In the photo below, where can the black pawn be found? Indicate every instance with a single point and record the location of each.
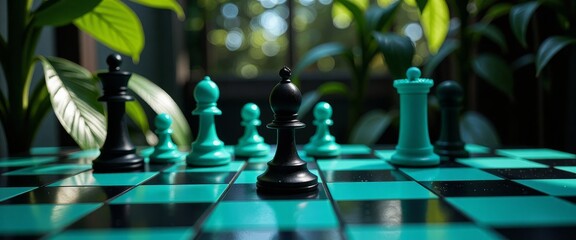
(287, 173)
(118, 153)
(450, 144)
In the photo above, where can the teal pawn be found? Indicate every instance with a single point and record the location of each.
(414, 147)
(251, 144)
(165, 151)
(207, 150)
(322, 143)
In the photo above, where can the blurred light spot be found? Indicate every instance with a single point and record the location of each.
(257, 39)
(249, 71)
(282, 11)
(326, 64)
(306, 2)
(417, 60)
(217, 37)
(229, 10)
(303, 17)
(341, 21)
(273, 23)
(195, 24)
(271, 3)
(254, 8)
(234, 40)
(325, 2)
(270, 48)
(413, 31)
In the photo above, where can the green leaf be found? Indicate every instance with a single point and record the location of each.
(317, 53)
(495, 71)
(115, 25)
(161, 102)
(164, 4)
(549, 48)
(490, 32)
(435, 20)
(520, 16)
(421, 4)
(522, 61)
(309, 99)
(496, 11)
(61, 12)
(371, 126)
(355, 9)
(398, 52)
(378, 17)
(447, 48)
(135, 112)
(476, 129)
(74, 95)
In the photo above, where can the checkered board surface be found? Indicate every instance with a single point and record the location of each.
(495, 194)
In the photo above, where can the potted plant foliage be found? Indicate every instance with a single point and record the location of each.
(68, 89)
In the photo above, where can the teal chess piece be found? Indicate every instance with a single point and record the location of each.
(414, 147)
(165, 151)
(322, 143)
(207, 150)
(251, 144)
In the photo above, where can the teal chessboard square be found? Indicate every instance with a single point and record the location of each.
(233, 166)
(448, 174)
(420, 231)
(378, 190)
(517, 211)
(40, 218)
(535, 153)
(52, 169)
(354, 164)
(123, 234)
(8, 192)
(499, 162)
(172, 194)
(105, 179)
(278, 214)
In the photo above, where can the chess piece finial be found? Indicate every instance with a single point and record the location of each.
(287, 172)
(251, 144)
(450, 144)
(117, 153)
(114, 62)
(165, 151)
(208, 149)
(285, 100)
(322, 143)
(413, 73)
(414, 147)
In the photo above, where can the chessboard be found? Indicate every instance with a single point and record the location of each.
(521, 193)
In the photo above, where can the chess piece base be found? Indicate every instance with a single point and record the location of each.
(289, 177)
(118, 161)
(210, 158)
(167, 157)
(252, 150)
(324, 150)
(451, 150)
(421, 157)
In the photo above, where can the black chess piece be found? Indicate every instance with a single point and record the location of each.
(450, 144)
(287, 173)
(118, 153)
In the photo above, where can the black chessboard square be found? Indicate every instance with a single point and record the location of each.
(365, 176)
(68, 195)
(479, 188)
(450, 164)
(30, 180)
(301, 234)
(143, 216)
(539, 232)
(165, 178)
(396, 212)
(531, 173)
(248, 192)
(570, 199)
